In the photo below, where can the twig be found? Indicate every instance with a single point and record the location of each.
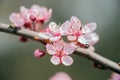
(79, 51)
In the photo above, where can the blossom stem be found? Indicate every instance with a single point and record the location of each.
(79, 51)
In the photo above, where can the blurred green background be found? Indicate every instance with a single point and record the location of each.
(17, 61)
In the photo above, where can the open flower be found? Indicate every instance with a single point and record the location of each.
(60, 52)
(26, 16)
(76, 32)
(52, 32)
(61, 76)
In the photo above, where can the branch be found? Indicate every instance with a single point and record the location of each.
(79, 51)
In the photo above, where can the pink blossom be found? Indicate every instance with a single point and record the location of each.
(27, 16)
(39, 53)
(61, 76)
(41, 13)
(17, 19)
(75, 31)
(115, 76)
(60, 52)
(52, 32)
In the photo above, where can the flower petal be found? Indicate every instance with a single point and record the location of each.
(71, 38)
(17, 20)
(75, 22)
(88, 28)
(91, 48)
(89, 39)
(50, 49)
(55, 38)
(58, 45)
(61, 76)
(65, 28)
(45, 35)
(67, 60)
(69, 49)
(55, 60)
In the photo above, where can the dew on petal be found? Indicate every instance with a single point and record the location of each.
(67, 60)
(88, 28)
(50, 49)
(68, 49)
(55, 60)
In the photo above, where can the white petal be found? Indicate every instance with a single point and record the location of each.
(55, 60)
(56, 38)
(65, 28)
(88, 28)
(91, 48)
(75, 22)
(67, 60)
(50, 49)
(45, 35)
(69, 49)
(89, 39)
(58, 45)
(71, 38)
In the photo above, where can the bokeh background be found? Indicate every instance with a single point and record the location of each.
(17, 61)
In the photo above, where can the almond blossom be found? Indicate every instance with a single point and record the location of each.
(27, 16)
(61, 76)
(52, 32)
(79, 33)
(115, 76)
(60, 52)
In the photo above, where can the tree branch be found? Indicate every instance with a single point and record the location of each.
(79, 51)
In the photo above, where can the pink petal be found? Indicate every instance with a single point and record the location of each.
(69, 49)
(61, 76)
(50, 49)
(89, 39)
(58, 45)
(115, 76)
(17, 20)
(54, 28)
(67, 60)
(25, 14)
(75, 22)
(45, 35)
(65, 28)
(88, 28)
(55, 38)
(55, 60)
(71, 38)
(91, 48)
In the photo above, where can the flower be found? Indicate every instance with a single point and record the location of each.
(115, 76)
(60, 52)
(52, 32)
(81, 33)
(41, 13)
(28, 16)
(61, 76)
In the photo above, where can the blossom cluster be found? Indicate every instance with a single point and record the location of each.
(77, 35)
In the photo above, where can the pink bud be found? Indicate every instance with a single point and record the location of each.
(23, 39)
(39, 53)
